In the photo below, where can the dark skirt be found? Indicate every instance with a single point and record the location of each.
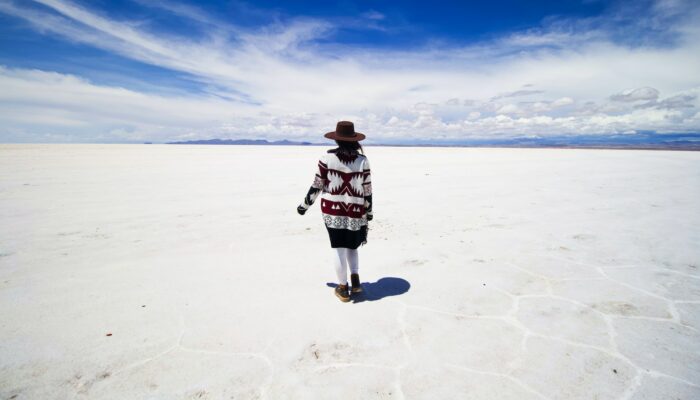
(346, 237)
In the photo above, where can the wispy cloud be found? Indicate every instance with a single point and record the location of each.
(518, 93)
(638, 94)
(287, 79)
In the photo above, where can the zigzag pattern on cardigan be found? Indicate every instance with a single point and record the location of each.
(344, 182)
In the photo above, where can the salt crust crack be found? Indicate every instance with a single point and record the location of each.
(509, 317)
(178, 346)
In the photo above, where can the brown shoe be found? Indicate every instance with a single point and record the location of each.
(356, 286)
(342, 292)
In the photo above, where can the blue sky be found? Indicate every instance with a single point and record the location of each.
(141, 70)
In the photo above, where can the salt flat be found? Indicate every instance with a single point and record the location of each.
(490, 274)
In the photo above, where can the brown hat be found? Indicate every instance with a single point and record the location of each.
(345, 130)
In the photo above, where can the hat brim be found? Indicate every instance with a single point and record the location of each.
(333, 135)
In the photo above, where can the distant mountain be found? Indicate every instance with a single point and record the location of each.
(639, 140)
(259, 142)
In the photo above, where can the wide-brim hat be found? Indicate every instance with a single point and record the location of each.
(345, 130)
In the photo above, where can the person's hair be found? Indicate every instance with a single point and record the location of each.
(349, 147)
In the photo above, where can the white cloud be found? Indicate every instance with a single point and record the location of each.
(643, 93)
(562, 101)
(279, 82)
(473, 115)
(372, 14)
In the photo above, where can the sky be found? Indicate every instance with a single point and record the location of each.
(130, 71)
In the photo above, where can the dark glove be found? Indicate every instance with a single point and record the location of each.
(301, 210)
(369, 217)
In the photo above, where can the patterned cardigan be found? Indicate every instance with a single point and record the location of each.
(346, 185)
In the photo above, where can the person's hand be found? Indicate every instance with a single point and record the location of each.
(369, 217)
(301, 210)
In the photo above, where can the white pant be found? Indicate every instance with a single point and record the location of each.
(342, 257)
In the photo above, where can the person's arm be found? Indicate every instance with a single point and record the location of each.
(367, 188)
(316, 187)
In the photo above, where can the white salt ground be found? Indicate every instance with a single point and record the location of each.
(174, 272)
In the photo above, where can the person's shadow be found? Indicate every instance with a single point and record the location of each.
(384, 287)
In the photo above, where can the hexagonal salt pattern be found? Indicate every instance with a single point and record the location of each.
(567, 370)
(661, 346)
(566, 319)
(160, 272)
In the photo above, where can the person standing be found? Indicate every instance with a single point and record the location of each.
(344, 181)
